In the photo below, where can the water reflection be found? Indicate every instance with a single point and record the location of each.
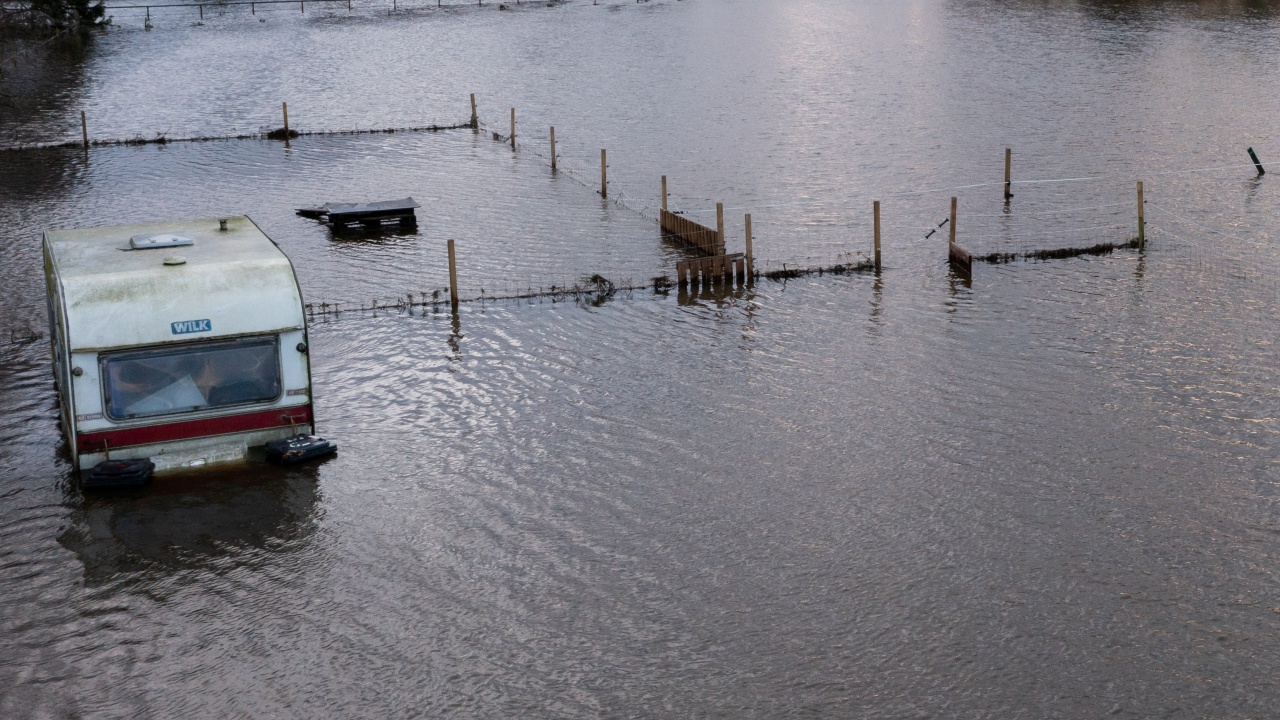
(192, 521)
(41, 82)
(718, 293)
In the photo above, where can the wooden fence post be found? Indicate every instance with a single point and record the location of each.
(1008, 173)
(750, 257)
(875, 213)
(284, 107)
(513, 128)
(84, 129)
(604, 177)
(475, 119)
(1142, 223)
(553, 148)
(664, 192)
(953, 220)
(720, 226)
(453, 277)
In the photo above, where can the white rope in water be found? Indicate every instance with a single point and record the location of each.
(1193, 222)
(863, 196)
(1040, 214)
(1055, 231)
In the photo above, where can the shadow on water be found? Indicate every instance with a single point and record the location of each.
(191, 521)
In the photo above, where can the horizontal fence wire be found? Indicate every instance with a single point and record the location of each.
(250, 8)
(1050, 218)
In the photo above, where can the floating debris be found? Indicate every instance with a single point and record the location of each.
(1058, 254)
(369, 215)
(787, 273)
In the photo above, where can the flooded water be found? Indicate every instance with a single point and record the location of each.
(1048, 493)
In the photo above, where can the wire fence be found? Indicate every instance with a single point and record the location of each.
(149, 14)
(1049, 219)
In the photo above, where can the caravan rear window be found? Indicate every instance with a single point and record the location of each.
(200, 376)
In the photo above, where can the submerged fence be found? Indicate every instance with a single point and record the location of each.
(1062, 223)
(150, 12)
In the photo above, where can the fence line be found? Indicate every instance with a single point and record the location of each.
(1010, 243)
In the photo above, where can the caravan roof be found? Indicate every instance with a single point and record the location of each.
(132, 285)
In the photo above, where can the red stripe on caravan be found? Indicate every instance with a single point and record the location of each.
(185, 430)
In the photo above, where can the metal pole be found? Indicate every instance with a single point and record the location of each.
(1256, 162)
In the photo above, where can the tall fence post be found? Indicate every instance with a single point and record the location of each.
(453, 277)
(750, 256)
(284, 107)
(953, 220)
(875, 214)
(604, 175)
(1142, 223)
(513, 128)
(84, 129)
(553, 148)
(720, 226)
(475, 119)
(664, 192)
(1008, 173)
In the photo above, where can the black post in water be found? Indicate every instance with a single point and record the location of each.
(1254, 156)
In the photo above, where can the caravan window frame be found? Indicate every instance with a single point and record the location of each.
(192, 352)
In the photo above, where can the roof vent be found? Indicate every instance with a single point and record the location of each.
(159, 240)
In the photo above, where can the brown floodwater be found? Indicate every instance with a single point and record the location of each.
(1049, 493)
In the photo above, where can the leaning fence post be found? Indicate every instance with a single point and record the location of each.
(875, 214)
(1257, 163)
(1008, 173)
(604, 176)
(750, 257)
(453, 277)
(84, 129)
(553, 148)
(1142, 223)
